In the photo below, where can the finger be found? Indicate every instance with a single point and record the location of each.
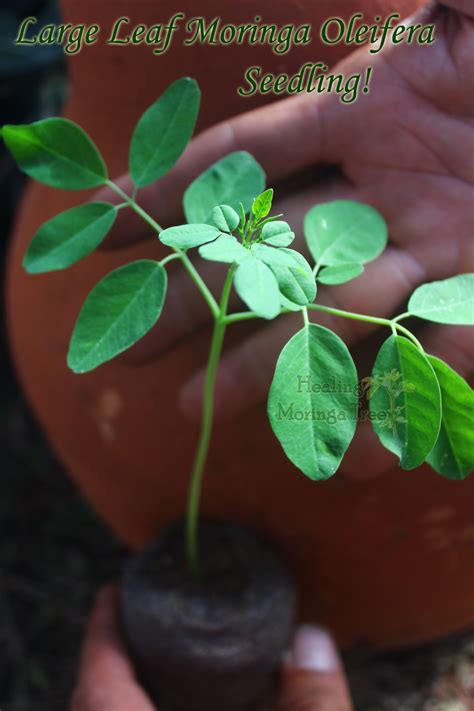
(272, 134)
(185, 311)
(313, 678)
(453, 344)
(106, 679)
(245, 372)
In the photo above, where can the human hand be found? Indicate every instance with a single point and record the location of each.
(405, 148)
(313, 679)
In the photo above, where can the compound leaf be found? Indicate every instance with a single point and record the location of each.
(262, 204)
(277, 234)
(453, 453)
(163, 132)
(447, 301)
(120, 309)
(313, 401)
(56, 152)
(187, 236)
(340, 274)
(225, 248)
(233, 179)
(68, 237)
(257, 287)
(405, 401)
(225, 218)
(343, 232)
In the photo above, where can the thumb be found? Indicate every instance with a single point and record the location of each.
(313, 677)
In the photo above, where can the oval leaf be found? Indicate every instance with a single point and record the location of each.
(187, 236)
(294, 275)
(258, 288)
(57, 152)
(164, 131)
(226, 248)
(313, 401)
(343, 232)
(277, 234)
(405, 401)
(453, 453)
(225, 218)
(121, 309)
(233, 179)
(262, 204)
(68, 237)
(340, 274)
(447, 301)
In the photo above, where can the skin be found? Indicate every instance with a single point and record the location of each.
(312, 676)
(406, 148)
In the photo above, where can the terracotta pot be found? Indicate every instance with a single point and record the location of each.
(389, 561)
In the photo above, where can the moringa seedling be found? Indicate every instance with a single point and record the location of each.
(419, 407)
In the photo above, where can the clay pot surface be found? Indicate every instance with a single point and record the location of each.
(386, 562)
(224, 632)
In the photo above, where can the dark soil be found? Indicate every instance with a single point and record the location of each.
(224, 631)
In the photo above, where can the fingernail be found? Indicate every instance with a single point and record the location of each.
(314, 650)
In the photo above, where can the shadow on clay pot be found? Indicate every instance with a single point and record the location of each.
(224, 632)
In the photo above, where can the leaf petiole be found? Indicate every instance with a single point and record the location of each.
(169, 258)
(192, 271)
(135, 206)
(390, 323)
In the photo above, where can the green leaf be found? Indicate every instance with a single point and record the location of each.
(121, 309)
(163, 132)
(258, 288)
(187, 236)
(226, 248)
(287, 304)
(233, 179)
(225, 218)
(274, 257)
(293, 273)
(56, 152)
(340, 274)
(262, 204)
(343, 232)
(68, 237)
(448, 301)
(296, 281)
(405, 402)
(313, 401)
(453, 453)
(277, 234)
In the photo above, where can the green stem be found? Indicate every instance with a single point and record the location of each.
(409, 335)
(194, 496)
(349, 314)
(169, 258)
(391, 323)
(407, 314)
(135, 207)
(190, 268)
(197, 279)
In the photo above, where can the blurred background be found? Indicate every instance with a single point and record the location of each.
(54, 553)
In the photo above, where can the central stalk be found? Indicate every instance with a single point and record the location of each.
(192, 517)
